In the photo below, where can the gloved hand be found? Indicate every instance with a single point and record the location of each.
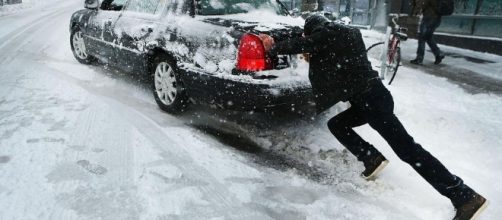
(267, 40)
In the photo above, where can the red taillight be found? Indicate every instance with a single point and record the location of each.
(251, 55)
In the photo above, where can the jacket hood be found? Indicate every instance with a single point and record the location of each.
(313, 22)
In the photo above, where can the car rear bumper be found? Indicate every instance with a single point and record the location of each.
(244, 92)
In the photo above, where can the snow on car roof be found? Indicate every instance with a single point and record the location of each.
(264, 17)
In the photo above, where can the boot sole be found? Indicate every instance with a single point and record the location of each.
(379, 169)
(480, 210)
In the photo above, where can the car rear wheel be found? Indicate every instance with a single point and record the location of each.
(168, 89)
(78, 47)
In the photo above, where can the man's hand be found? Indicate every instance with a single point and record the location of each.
(267, 40)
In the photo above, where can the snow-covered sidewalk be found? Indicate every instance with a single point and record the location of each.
(476, 71)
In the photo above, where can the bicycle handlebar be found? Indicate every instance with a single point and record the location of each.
(394, 21)
(395, 17)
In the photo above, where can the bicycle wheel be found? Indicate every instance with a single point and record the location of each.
(377, 52)
(374, 45)
(394, 64)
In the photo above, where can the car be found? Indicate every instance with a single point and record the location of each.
(206, 51)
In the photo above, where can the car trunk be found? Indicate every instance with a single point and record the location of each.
(238, 28)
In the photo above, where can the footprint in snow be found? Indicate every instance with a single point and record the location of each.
(92, 168)
(45, 139)
(77, 147)
(298, 195)
(97, 150)
(4, 159)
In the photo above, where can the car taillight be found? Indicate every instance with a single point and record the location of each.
(251, 55)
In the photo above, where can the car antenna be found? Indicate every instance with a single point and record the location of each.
(284, 8)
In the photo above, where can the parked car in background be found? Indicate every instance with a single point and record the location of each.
(196, 51)
(9, 2)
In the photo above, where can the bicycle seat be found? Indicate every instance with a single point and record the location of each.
(402, 36)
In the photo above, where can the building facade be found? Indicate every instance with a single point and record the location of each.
(475, 17)
(475, 24)
(471, 17)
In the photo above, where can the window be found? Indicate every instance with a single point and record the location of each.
(465, 6)
(221, 7)
(174, 5)
(144, 6)
(491, 7)
(113, 5)
(119, 2)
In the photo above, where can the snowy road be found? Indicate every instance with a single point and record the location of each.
(85, 142)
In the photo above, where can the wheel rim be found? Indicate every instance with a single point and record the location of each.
(79, 46)
(165, 83)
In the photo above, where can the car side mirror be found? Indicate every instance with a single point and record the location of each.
(92, 4)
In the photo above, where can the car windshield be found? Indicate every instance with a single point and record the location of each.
(222, 7)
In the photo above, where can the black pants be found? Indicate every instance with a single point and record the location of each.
(427, 28)
(375, 107)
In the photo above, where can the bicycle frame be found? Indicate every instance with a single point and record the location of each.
(394, 43)
(385, 54)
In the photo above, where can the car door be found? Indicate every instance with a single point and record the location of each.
(100, 37)
(138, 24)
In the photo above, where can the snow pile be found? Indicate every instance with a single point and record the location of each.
(268, 18)
(216, 4)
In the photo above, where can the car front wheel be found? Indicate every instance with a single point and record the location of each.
(78, 47)
(168, 89)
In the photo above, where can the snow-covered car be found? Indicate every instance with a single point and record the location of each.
(204, 50)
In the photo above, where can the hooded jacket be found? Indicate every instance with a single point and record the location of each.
(339, 67)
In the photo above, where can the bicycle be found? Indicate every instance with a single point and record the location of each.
(391, 58)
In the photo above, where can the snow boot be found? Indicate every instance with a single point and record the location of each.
(472, 208)
(416, 61)
(373, 167)
(439, 59)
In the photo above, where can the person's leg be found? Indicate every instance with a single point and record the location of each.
(341, 127)
(429, 167)
(421, 43)
(391, 129)
(432, 25)
(378, 111)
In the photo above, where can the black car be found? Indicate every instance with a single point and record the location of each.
(203, 50)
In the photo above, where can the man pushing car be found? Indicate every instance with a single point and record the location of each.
(340, 71)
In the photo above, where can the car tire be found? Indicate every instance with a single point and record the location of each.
(168, 89)
(78, 47)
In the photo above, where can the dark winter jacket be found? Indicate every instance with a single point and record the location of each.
(339, 66)
(429, 9)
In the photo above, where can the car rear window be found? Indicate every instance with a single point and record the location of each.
(222, 7)
(144, 6)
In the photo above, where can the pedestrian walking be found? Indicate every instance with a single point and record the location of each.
(431, 19)
(340, 71)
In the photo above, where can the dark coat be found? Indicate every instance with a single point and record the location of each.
(339, 66)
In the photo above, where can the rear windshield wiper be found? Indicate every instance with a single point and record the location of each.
(284, 8)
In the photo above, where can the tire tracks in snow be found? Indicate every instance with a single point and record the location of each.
(9, 46)
(170, 146)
